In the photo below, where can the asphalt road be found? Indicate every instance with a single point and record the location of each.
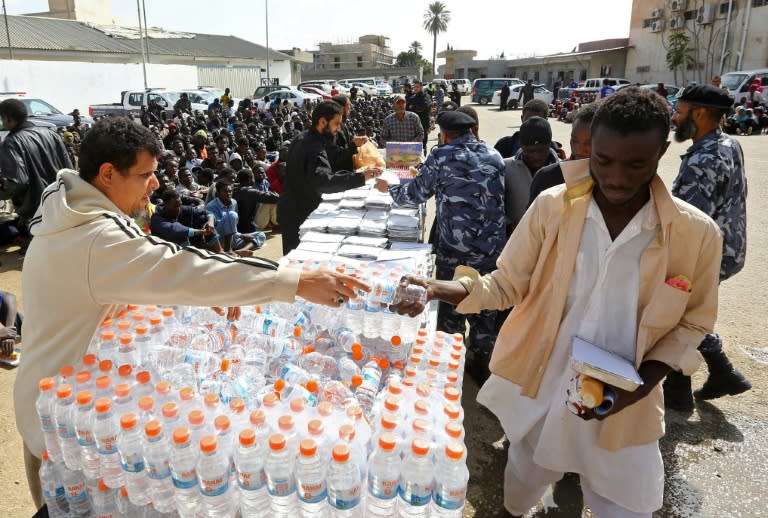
(715, 459)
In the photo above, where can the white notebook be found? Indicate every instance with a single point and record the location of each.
(610, 368)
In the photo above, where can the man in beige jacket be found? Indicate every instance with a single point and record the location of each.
(592, 258)
(87, 258)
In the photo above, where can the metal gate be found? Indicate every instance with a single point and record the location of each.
(242, 80)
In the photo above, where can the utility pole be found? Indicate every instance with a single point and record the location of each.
(7, 31)
(146, 33)
(143, 51)
(266, 17)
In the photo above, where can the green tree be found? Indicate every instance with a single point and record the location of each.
(411, 59)
(679, 53)
(415, 47)
(436, 19)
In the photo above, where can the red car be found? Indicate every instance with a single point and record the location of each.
(312, 90)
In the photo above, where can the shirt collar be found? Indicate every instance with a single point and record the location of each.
(712, 135)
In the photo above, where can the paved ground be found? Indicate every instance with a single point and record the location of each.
(715, 459)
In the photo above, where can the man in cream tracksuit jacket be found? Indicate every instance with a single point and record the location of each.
(88, 258)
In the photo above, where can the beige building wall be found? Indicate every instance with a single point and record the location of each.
(370, 51)
(95, 11)
(719, 45)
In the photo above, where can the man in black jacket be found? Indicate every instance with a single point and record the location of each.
(343, 146)
(310, 175)
(505, 91)
(30, 157)
(420, 103)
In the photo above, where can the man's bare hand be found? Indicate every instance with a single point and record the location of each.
(382, 186)
(7, 340)
(329, 288)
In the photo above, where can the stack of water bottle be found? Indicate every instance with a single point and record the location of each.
(181, 412)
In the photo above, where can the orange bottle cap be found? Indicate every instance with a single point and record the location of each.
(141, 329)
(420, 447)
(196, 417)
(395, 387)
(355, 412)
(298, 404)
(167, 312)
(122, 389)
(454, 450)
(211, 400)
(388, 422)
(452, 411)
(279, 384)
(155, 321)
(181, 435)
(312, 386)
(107, 335)
(325, 408)
(387, 441)
(170, 410)
(124, 325)
(308, 447)
(392, 403)
(421, 426)
(138, 317)
(396, 341)
(153, 428)
(128, 421)
(103, 383)
(64, 391)
(90, 359)
(453, 429)
(237, 405)
(124, 371)
(163, 387)
(146, 403)
(221, 423)
(102, 405)
(258, 417)
(208, 443)
(285, 422)
(102, 486)
(83, 377)
(356, 380)
(247, 437)
(341, 453)
(277, 441)
(46, 384)
(186, 393)
(270, 400)
(421, 407)
(143, 377)
(67, 371)
(84, 397)
(105, 365)
(347, 432)
(315, 427)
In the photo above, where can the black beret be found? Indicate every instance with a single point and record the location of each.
(535, 130)
(455, 121)
(706, 95)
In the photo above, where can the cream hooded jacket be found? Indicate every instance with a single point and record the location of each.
(87, 258)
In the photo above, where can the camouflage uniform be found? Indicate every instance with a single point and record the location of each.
(712, 179)
(467, 179)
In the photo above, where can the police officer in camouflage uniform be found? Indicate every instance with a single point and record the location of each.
(712, 179)
(466, 177)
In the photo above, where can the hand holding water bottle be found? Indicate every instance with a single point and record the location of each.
(329, 288)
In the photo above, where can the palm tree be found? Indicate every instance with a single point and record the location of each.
(679, 53)
(436, 19)
(415, 47)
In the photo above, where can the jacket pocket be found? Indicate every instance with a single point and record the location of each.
(666, 308)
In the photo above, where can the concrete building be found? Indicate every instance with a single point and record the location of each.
(67, 46)
(370, 51)
(725, 35)
(589, 59)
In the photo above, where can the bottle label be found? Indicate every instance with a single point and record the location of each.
(281, 486)
(251, 481)
(65, 431)
(313, 492)
(107, 445)
(104, 515)
(347, 498)
(46, 423)
(383, 489)
(158, 471)
(184, 479)
(214, 486)
(57, 493)
(450, 498)
(416, 494)
(76, 493)
(85, 438)
(132, 462)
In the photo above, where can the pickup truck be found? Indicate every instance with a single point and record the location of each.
(132, 101)
(591, 88)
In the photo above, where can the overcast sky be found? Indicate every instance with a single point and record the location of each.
(522, 29)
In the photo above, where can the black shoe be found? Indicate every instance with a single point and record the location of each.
(677, 392)
(724, 379)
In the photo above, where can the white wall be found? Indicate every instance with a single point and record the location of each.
(68, 85)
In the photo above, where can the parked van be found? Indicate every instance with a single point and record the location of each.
(738, 83)
(482, 89)
(464, 86)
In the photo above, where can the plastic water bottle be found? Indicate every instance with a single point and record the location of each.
(316, 431)
(45, 405)
(197, 425)
(184, 473)
(451, 477)
(123, 400)
(344, 484)
(65, 426)
(53, 488)
(213, 472)
(310, 480)
(89, 454)
(104, 501)
(383, 478)
(156, 458)
(348, 369)
(107, 346)
(127, 508)
(416, 481)
(76, 493)
(251, 478)
(287, 426)
(105, 430)
(126, 351)
(369, 388)
(345, 337)
(281, 483)
(131, 449)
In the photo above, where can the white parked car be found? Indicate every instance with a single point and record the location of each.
(383, 88)
(514, 92)
(464, 86)
(363, 88)
(296, 97)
